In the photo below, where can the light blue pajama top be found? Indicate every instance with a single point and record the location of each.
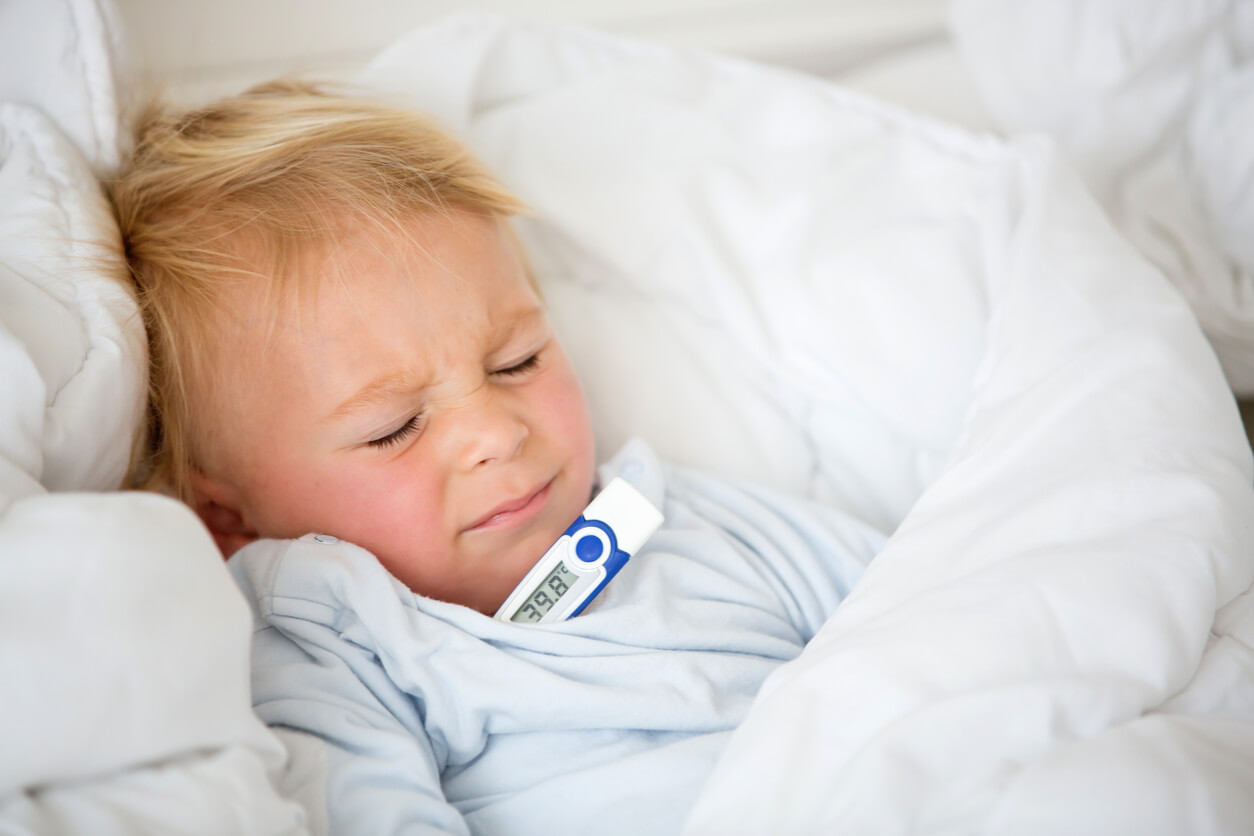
(430, 717)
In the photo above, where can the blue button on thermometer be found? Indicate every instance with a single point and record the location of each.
(583, 560)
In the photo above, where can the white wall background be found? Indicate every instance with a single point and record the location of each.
(195, 49)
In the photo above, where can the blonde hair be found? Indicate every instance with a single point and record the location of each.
(279, 166)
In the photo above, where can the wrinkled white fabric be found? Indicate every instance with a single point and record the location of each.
(75, 358)
(1153, 101)
(1038, 647)
(68, 59)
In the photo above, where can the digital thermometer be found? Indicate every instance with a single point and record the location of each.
(584, 559)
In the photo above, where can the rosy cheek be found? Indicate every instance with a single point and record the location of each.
(569, 415)
(398, 514)
(366, 500)
(391, 501)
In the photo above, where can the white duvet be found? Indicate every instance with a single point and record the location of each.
(1153, 102)
(770, 278)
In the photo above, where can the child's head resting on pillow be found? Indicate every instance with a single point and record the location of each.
(345, 339)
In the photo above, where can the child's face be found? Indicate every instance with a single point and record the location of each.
(413, 400)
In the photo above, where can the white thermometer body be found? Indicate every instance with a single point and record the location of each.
(585, 558)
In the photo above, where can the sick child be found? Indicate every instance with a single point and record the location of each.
(355, 386)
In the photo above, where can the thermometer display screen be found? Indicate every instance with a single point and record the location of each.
(546, 595)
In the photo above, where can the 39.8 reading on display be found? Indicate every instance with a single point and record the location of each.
(547, 594)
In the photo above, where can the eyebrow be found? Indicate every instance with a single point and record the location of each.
(375, 392)
(399, 383)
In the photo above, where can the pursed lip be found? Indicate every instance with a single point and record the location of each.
(515, 511)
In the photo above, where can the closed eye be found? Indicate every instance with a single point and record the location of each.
(404, 431)
(521, 368)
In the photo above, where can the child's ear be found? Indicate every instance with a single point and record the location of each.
(217, 507)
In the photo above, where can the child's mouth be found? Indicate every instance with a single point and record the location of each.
(516, 511)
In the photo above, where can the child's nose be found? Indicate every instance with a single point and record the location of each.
(488, 430)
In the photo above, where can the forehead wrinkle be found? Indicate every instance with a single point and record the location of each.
(514, 322)
(396, 247)
(398, 383)
(389, 246)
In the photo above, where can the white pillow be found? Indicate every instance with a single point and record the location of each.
(66, 59)
(72, 348)
(72, 351)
